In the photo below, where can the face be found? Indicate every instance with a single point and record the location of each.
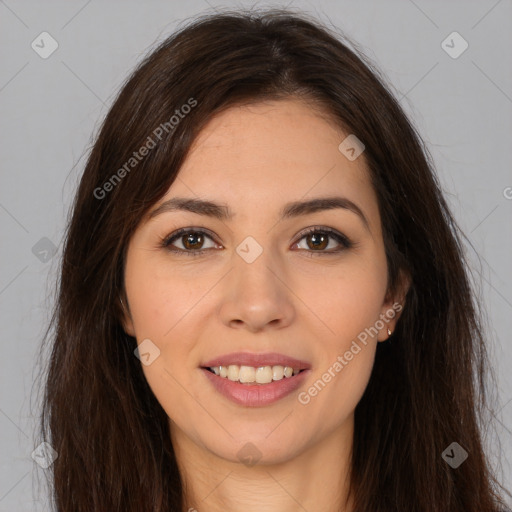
(260, 289)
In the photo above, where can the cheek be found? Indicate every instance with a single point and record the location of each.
(160, 305)
(159, 297)
(350, 300)
(342, 375)
(350, 310)
(167, 305)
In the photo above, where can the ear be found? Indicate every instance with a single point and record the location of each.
(392, 307)
(126, 317)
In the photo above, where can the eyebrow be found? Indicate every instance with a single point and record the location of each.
(289, 210)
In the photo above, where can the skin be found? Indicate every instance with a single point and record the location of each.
(266, 154)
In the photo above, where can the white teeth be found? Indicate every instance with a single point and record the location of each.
(264, 375)
(233, 372)
(249, 374)
(277, 372)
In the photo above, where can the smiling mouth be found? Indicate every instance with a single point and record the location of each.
(254, 375)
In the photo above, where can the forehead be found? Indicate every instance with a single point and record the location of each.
(269, 153)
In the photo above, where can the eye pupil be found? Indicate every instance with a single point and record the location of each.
(319, 241)
(189, 240)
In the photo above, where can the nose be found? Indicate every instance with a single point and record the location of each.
(258, 295)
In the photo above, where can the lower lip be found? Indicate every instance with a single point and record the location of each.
(256, 395)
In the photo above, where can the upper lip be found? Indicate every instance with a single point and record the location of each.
(257, 360)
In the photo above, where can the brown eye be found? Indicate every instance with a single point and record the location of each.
(191, 240)
(318, 239)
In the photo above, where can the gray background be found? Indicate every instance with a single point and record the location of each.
(51, 108)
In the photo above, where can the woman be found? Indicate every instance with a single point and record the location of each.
(263, 301)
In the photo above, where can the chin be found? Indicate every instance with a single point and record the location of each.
(256, 449)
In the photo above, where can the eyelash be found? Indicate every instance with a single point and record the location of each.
(341, 239)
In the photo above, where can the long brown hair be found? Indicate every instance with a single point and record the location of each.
(428, 386)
